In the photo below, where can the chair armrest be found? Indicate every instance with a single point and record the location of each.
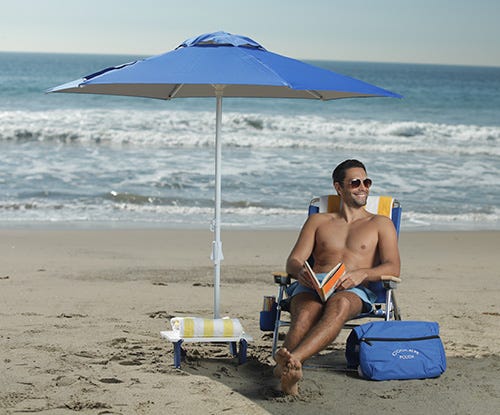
(390, 278)
(282, 278)
(390, 281)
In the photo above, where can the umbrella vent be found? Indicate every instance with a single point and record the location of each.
(221, 39)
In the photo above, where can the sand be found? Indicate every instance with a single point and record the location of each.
(81, 313)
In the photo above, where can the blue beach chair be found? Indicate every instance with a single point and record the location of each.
(385, 306)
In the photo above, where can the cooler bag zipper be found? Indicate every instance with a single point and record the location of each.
(369, 340)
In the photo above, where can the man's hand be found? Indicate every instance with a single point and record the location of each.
(352, 279)
(304, 278)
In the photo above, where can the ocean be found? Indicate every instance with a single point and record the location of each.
(90, 161)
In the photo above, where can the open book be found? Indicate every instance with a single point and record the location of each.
(328, 285)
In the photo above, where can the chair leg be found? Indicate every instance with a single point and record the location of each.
(277, 323)
(276, 331)
(388, 306)
(397, 314)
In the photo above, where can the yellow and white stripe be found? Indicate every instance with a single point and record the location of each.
(203, 327)
(381, 205)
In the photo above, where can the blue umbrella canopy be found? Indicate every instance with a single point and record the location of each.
(221, 65)
(241, 65)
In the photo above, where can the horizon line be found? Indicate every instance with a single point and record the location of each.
(483, 65)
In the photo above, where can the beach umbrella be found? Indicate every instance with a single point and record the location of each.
(221, 65)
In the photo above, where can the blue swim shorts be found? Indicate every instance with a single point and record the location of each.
(368, 297)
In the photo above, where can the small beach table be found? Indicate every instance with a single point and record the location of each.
(241, 351)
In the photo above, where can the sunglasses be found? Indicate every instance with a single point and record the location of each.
(355, 183)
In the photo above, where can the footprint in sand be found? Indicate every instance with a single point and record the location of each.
(110, 380)
(160, 314)
(118, 341)
(65, 380)
(132, 362)
(72, 315)
(86, 354)
(80, 406)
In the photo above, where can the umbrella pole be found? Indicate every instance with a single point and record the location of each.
(217, 255)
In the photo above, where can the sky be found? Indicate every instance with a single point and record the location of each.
(460, 32)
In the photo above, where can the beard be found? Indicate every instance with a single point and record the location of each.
(359, 200)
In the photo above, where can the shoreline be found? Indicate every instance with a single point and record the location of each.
(225, 227)
(82, 309)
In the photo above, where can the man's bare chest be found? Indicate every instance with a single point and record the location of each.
(361, 239)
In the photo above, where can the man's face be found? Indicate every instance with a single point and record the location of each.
(356, 187)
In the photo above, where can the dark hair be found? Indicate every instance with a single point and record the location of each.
(338, 174)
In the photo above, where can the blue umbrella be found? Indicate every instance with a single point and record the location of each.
(221, 65)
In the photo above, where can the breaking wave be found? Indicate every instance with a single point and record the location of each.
(177, 129)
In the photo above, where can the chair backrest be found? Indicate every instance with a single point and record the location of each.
(382, 205)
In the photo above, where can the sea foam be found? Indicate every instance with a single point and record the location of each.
(197, 129)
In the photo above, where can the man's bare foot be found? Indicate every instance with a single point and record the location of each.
(292, 373)
(282, 358)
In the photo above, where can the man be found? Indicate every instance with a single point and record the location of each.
(365, 243)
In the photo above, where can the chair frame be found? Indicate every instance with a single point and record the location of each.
(386, 308)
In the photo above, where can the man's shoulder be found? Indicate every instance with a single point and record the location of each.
(323, 216)
(321, 219)
(382, 219)
(382, 222)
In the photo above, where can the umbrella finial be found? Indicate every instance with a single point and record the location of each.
(221, 39)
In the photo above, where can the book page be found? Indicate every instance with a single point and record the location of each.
(315, 280)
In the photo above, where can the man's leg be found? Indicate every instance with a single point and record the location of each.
(305, 311)
(340, 308)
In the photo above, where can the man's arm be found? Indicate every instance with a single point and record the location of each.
(388, 252)
(303, 249)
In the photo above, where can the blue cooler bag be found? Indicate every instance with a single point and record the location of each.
(385, 350)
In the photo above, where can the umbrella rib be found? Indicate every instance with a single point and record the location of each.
(315, 94)
(175, 91)
(265, 65)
